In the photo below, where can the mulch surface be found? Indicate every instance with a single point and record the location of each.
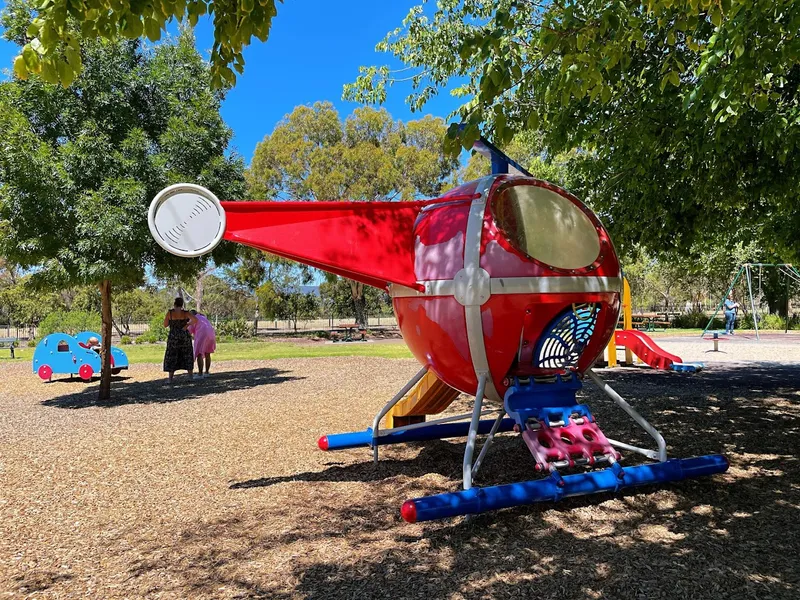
(215, 489)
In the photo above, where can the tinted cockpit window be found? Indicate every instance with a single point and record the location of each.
(546, 226)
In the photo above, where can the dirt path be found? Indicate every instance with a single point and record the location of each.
(215, 489)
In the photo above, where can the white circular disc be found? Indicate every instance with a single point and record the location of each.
(186, 220)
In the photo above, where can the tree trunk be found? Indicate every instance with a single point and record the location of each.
(255, 323)
(357, 293)
(120, 331)
(105, 351)
(198, 290)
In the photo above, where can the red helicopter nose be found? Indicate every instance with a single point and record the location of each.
(499, 277)
(517, 261)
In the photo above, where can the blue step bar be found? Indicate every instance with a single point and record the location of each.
(363, 439)
(687, 367)
(553, 488)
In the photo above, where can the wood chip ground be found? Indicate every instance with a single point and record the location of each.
(215, 489)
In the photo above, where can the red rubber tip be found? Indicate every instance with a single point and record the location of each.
(409, 511)
(323, 442)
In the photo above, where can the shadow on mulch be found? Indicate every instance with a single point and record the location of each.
(727, 537)
(435, 456)
(39, 580)
(159, 392)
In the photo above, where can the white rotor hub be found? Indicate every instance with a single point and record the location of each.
(186, 220)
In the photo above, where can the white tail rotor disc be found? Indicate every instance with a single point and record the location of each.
(186, 220)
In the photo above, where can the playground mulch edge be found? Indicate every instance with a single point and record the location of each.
(215, 489)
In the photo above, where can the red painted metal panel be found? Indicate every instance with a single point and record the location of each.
(371, 242)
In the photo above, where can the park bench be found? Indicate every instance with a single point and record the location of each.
(10, 343)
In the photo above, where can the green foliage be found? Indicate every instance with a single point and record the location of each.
(671, 279)
(269, 300)
(313, 155)
(79, 166)
(156, 332)
(86, 298)
(125, 340)
(686, 113)
(337, 299)
(233, 328)
(134, 306)
(71, 322)
(260, 350)
(224, 300)
(22, 304)
(766, 321)
(770, 321)
(528, 150)
(696, 320)
(51, 39)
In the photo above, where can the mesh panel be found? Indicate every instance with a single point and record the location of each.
(563, 344)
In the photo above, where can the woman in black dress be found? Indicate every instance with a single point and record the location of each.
(179, 354)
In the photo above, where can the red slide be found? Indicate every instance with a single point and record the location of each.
(644, 347)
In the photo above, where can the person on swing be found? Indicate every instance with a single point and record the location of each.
(731, 307)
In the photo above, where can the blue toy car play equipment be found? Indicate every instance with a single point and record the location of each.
(60, 353)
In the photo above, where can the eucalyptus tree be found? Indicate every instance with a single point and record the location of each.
(79, 165)
(51, 48)
(686, 112)
(313, 155)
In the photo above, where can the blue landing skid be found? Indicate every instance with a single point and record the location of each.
(363, 439)
(553, 488)
(687, 367)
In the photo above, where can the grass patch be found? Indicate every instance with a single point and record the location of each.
(154, 353)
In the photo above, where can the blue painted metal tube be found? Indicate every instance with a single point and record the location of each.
(555, 487)
(363, 439)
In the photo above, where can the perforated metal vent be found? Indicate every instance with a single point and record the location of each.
(186, 220)
(562, 345)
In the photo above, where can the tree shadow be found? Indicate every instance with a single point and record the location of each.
(39, 580)
(437, 456)
(728, 536)
(159, 392)
(94, 379)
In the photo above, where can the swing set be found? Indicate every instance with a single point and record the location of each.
(788, 271)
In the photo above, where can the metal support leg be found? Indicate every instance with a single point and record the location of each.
(752, 303)
(376, 423)
(472, 437)
(652, 454)
(654, 433)
(487, 443)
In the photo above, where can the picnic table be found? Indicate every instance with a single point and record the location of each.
(349, 330)
(649, 321)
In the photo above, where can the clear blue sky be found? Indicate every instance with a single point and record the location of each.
(314, 48)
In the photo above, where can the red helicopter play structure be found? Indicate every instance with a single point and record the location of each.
(506, 288)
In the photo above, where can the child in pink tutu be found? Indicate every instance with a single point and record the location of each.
(205, 342)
